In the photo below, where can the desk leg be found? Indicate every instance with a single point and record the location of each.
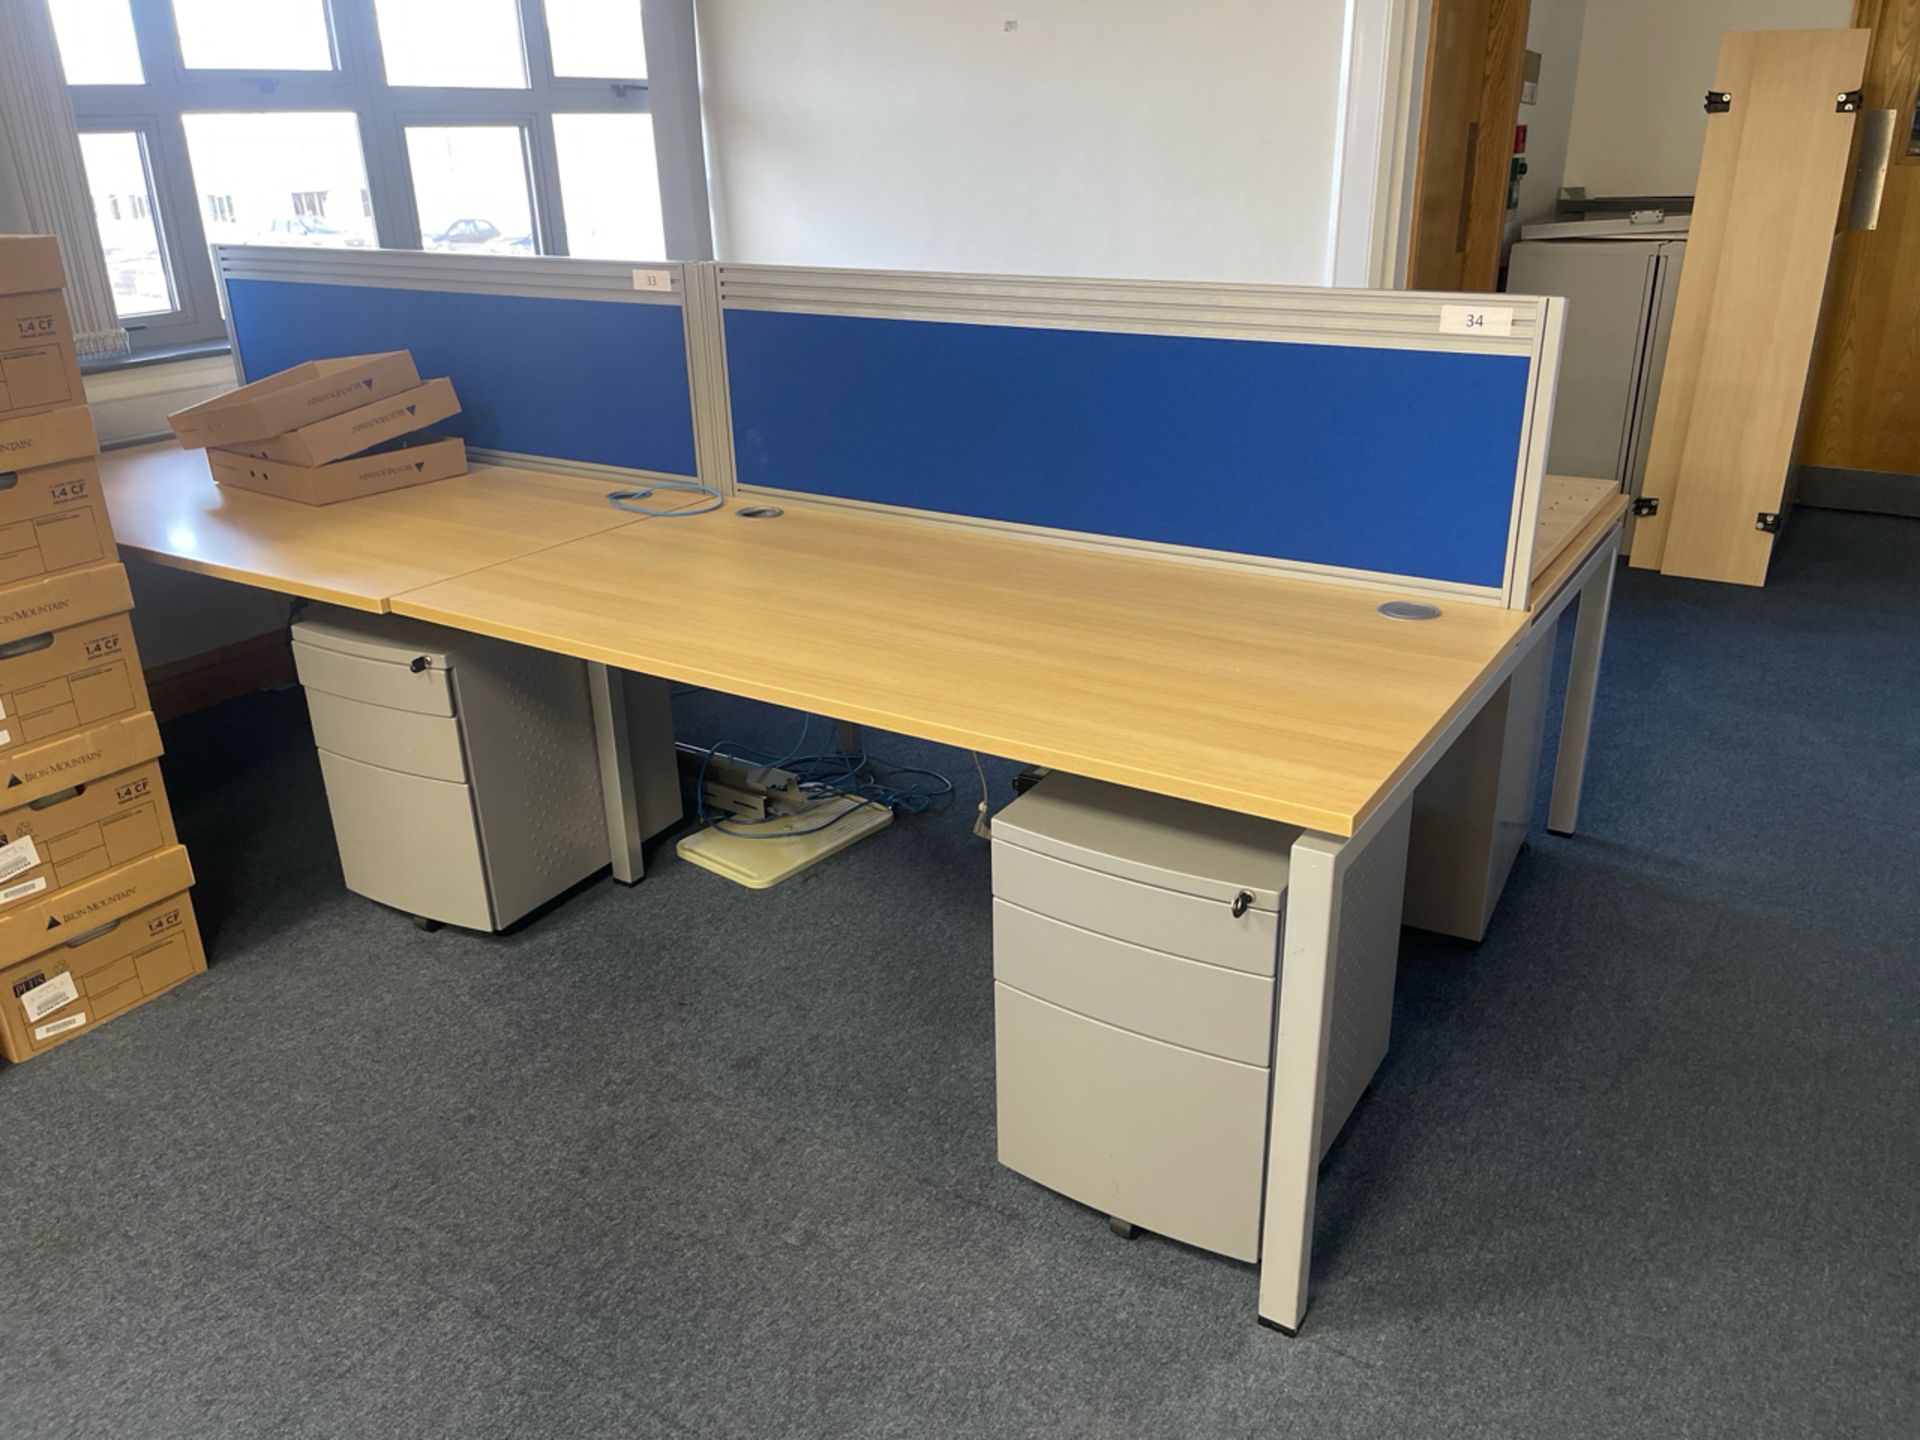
(619, 790)
(1309, 952)
(1583, 680)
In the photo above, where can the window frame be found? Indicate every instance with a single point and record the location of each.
(383, 112)
(143, 134)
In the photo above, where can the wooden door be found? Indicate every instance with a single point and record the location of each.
(1863, 405)
(1772, 172)
(1476, 50)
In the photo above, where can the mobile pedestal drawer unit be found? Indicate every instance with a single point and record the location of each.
(1136, 950)
(461, 771)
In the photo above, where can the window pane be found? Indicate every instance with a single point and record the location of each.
(609, 186)
(290, 178)
(96, 43)
(253, 34)
(122, 190)
(452, 42)
(470, 187)
(597, 38)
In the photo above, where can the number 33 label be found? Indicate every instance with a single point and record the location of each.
(1476, 320)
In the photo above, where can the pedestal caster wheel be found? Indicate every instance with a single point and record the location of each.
(421, 922)
(1122, 1228)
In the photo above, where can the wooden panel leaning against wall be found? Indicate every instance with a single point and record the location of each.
(1772, 173)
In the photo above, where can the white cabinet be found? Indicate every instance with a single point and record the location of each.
(461, 772)
(1620, 282)
(1136, 956)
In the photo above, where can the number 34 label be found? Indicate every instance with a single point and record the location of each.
(1476, 320)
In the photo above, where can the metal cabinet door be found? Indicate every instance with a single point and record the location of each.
(1608, 285)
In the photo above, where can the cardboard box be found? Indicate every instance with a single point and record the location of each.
(67, 658)
(30, 262)
(52, 919)
(358, 430)
(52, 518)
(293, 398)
(39, 367)
(33, 771)
(50, 998)
(30, 441)
(413, 462)
(81, 806)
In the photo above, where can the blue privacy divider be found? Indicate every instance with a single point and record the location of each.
(591, 380)
(1398, 461)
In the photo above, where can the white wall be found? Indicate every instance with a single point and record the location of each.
(1645, 66)
(131, 405)
(1554, 30)
(1125, 138)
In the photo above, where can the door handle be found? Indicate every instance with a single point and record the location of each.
(1877, 129)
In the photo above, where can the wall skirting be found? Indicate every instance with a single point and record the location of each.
(1877, 491)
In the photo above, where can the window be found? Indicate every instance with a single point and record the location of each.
(490, 127)
(97, 44)
(596, 38)
(122, 191)
(253, 34)
(613, 205)
(279, 170)
(471, 188)
(452, 42)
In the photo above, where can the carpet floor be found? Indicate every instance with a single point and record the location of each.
(691, 1160)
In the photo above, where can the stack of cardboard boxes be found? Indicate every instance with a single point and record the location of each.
(328, 430)
(94, 914)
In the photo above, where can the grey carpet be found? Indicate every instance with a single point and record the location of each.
(689, 1160)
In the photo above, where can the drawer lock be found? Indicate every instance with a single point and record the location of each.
(1242, 903)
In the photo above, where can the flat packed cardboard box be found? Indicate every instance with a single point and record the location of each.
(30, 262)
(314, 391)
(88, 818)
(110, 967)
(30, 441)
(39, 368)
(412, 463)
(67, 657)
(52, 518)
(325, 441)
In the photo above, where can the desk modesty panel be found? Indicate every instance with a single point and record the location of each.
(564, 360)
(1383, 436)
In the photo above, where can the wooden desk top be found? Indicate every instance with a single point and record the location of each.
(1286, 698)
(358, 553)
(1576, 514)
